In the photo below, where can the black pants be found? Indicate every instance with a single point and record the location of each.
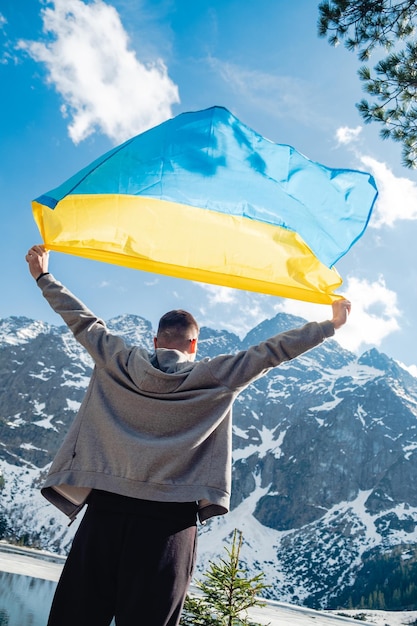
(130, 559)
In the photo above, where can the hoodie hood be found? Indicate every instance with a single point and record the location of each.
(172, 361)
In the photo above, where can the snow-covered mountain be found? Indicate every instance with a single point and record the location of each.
(324, 471)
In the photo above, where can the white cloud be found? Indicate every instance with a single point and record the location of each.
(5, 55)
(111, 285)
(218, 295)
(411, 369)
(279, 95)
(397, 198)
(374, 313)
(103, 85)
(346, 135)
(152, 283)
(397, 195)
(234, 310)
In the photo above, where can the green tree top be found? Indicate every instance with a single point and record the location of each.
(365, 25)
(227, 592)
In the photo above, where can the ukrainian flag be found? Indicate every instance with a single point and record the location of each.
(204, 197)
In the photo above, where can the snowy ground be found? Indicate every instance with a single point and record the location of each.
(43, 565)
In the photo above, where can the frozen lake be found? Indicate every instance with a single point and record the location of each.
(28, 579)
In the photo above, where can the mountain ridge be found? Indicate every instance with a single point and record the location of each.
(324, 457)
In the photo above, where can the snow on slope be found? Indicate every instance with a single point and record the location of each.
(260, 550)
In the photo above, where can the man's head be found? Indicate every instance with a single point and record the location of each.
(177, 330)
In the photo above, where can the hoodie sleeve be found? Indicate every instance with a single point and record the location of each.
(89, 330)
(238, 371)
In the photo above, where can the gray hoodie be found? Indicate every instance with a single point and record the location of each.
(156, 426)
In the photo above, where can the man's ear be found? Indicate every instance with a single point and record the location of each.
(155, 342)
(193, 346)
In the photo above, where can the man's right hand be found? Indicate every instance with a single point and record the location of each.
(38, 260)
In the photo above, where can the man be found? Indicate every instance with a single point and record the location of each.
(149, 451)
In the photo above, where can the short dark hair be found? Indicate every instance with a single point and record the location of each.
(177, 323)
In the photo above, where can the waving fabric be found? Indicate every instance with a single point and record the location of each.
(206, 198)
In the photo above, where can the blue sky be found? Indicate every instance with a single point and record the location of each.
(79, 77)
